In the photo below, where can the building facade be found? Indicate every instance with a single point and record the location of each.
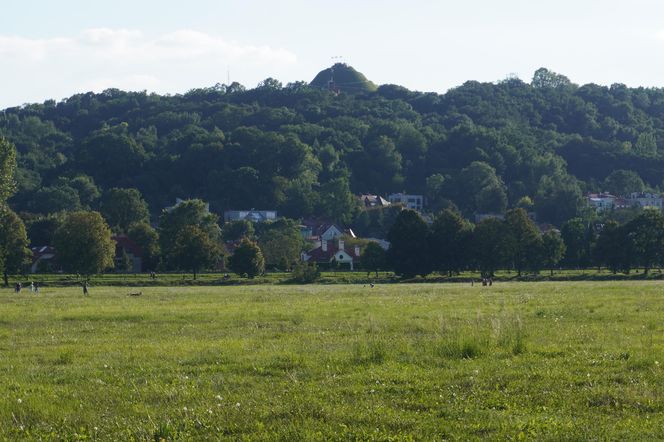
(414, 202)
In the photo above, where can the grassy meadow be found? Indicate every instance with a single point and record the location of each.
(538, 361)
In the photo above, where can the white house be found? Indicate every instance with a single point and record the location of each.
(414, 202)
(601, 201)
(255, 216)
(646, 200)
(329, 252)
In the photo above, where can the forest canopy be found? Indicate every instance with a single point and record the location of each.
(305, 150)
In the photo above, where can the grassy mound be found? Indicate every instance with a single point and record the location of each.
(343, 78)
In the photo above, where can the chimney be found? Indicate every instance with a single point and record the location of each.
(357, 250)
(341, 244)
(323, 245)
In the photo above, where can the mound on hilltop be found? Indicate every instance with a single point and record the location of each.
(343, 78)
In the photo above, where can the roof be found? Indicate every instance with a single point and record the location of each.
(39, 251)
(374, 200)
(42, 252)
(319, 255)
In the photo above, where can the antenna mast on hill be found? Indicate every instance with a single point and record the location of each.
(335, 59)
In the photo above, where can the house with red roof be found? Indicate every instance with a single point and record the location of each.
(333, 251)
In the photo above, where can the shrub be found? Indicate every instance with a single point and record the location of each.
(305, 273)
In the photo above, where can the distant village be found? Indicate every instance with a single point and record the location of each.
(603, 202)
(327, 242)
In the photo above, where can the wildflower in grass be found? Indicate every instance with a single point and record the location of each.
(19, 400)
(218, 397)
(237, 404)
(184, 409)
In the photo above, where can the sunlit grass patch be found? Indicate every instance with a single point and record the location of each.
(542, 361)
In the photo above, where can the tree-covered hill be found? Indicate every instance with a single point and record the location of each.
(304, 150)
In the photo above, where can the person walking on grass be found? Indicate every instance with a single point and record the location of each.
(85, 288)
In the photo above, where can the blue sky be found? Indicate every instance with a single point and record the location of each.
(55, 49)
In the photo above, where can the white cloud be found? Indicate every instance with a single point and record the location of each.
(131, 45)
(99, 58)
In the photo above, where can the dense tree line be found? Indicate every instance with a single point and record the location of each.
(189, 237)
(451, 245)
(480, 147)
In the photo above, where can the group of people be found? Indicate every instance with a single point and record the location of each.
(485, 282)
(34, 288)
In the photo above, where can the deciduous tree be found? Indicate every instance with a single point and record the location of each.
(449, 241)
(83, 243)
(646, 232)
(7, 168)
(194, 250)
(124, 207)
(247, 259)
(14, 252)
(488, 246)
(553, 249)
(408, 254)
(373, 258)
(522, 240)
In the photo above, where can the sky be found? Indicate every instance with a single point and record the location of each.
(54, 49)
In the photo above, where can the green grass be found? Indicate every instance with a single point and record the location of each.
(541, 361)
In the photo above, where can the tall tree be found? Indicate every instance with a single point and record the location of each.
(124, 207)
(281, 243)
(187, 213)
(236, 230)
(646, 232)
(14, 252)
(449, 240)
(194, 250)
(83, 243)
(558, 199)
(575, 234)
(553, 249)
(337, 201)
(487, 246)
(7, 168)
(614, 248)
(408, 254)
(623, 182)
(522, 240)
(147, 239)
(373, 258)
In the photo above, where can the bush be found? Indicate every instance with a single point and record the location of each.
(305, 273)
